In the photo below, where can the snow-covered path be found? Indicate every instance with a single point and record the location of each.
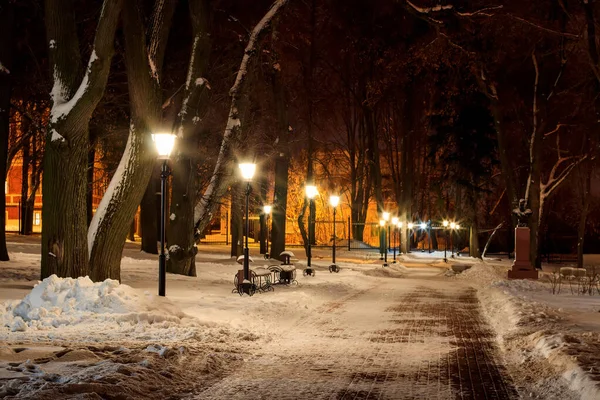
(388, 341)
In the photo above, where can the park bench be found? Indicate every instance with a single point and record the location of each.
(286, 272)
(260, 280)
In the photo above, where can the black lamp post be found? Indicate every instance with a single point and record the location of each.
(334, 201)
(247, 170)
(445, 223)
(164, 144)
(311, 193)
(452, 227)
(395, 236)
(382, 225)
(267, 209)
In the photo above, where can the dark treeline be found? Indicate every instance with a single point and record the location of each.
(431, 109)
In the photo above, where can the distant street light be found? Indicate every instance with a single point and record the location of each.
(445, 223)
(267, 210)
(382, 225)
(164, 144)
(334, 201)
(248, 170)
(311, 193)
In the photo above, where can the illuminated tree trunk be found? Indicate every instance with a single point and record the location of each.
(143, 59)
(64, 241)
(6, 53)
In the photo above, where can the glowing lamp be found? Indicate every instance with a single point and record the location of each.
(164, 144)
(445, 223)
(381, 222)
(423, 225)
(248, 170)
(395, 220)
(267, 209)
(311, 191)
(334, 201)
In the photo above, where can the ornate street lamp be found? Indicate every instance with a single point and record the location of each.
(445, 223)
(395, 236)
(164, 144)
(334, 201)
(267, 210)
(311, 193)
(247, 170)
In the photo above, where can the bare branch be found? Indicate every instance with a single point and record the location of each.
(564, 34)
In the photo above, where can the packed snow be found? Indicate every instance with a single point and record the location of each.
(62, 332)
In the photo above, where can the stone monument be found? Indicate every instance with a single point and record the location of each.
(522, 268)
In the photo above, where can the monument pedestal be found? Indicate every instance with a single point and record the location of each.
(522, 268)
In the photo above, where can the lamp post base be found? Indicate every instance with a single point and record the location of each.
(308, 271)
(385, 264)
(334, 268)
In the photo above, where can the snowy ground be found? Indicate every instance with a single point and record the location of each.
(412, 330)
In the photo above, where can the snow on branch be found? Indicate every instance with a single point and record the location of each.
(555, 180)
(3, 69)
(440, 7)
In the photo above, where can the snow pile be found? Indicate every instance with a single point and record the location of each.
(58, 301)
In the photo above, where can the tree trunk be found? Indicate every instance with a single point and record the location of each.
(64, 244)
(586, 168)
(149, 216)
(90, 183)
(25, 184)
(6, 56)
(182, 243)
(110, 226)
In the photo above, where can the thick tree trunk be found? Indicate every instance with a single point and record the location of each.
(90, 184)
(110, 226)
(182, 243)
(149, 216)
(64, 244)
(6, 56)
(279, 219)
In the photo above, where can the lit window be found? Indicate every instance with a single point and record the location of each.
(37, 218)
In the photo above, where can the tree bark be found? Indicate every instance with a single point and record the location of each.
(110, 226)
(25, 184)
(6, 56)
(182, 243)
(237, 219)
(149, 216)
(64, 244)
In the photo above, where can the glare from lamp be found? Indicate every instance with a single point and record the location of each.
(452, 225)
(457, 226)
(334, 201)
(400, 224)
(164, 143)
(381, 222)
(410, 225)
(248, 170)
(311, 191)
(267, 209)
(445, 223)
(395, 220)
(386, 216)
(423, 225)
